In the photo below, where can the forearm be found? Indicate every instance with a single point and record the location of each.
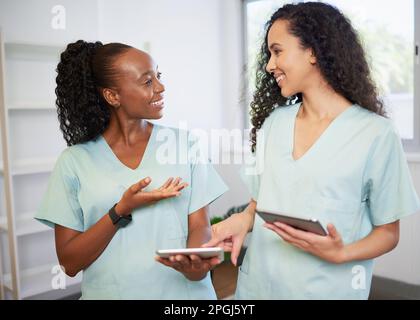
(81, 251)
(381, 240)
(198, 236)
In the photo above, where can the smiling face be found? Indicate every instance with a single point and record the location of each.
(292, 66)
(138, 90)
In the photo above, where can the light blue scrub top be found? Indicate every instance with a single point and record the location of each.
(355, 176)
(88, 179)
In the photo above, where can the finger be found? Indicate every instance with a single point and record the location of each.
(205, 266)
(288, 238)
(183, 260)
(167, 194)
(141, 184)
(295, 233)
(180, 186)
(236, 248)
(166, 184)
(174, 264)
(164, 261)
(214, 261)
(217, 238)
(227, 246)
(195, 261)
(332, 231)
(157, 195)
(176, 182)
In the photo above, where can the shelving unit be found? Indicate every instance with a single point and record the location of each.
(30, 147)
(37, 280)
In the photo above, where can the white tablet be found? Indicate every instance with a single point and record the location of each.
(201, 252)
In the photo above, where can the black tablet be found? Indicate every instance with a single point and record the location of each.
(309, 225)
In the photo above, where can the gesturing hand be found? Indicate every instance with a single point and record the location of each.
(135, 197)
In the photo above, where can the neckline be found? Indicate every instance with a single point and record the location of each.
(114, 157)
(319, 140)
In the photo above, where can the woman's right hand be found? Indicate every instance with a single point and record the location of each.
(135, 197)
(230, 234)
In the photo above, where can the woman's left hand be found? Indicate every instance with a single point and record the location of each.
(329, 248)
(192, 267)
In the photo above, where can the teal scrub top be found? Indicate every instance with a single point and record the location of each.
(354, 176)
(88, 179)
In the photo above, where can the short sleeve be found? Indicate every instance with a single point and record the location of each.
(206, 184)
(391, 194)
(59, 204)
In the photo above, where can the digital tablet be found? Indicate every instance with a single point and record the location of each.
(204, 253)
(309, 225)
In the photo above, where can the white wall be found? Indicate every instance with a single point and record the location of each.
(30, 20)
(184, 40)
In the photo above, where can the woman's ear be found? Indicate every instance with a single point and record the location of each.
(112, 97)
(312, 57)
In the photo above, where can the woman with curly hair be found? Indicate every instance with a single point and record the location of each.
(324, 150)
(111, 197)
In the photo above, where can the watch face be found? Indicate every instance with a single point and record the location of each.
(123, 221)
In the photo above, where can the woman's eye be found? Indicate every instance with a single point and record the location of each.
(277, 52)
(159, 75)
(148, 82)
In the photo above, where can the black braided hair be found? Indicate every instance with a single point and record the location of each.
(84, 68)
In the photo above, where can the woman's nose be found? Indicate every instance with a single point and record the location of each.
(159, 87)
(270, 67)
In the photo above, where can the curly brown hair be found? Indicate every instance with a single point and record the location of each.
(340, 59)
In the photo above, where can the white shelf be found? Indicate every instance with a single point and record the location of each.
(29, 79)
(31, 166)
(25, 225)
(31, 106)
(38, 280)
(19, 48)
(413, 156)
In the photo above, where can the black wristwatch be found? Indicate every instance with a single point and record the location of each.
(120, 221)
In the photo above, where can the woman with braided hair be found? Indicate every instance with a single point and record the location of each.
(324, 150)
(110, 198)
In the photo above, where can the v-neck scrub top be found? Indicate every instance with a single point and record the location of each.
(88, 179)
(355, 176)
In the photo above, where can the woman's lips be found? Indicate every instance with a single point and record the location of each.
(158, 104)
(280, 77)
